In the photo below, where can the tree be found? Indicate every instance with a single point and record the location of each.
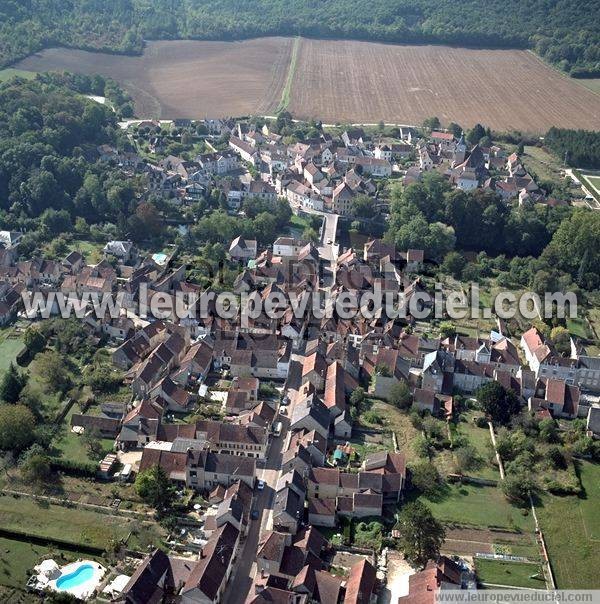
(358, 396)
(52, 369)
(517, 486)
(154, 487)
(11, 385)
(362, 206)
(421, 535)
(497, 402)
(447, 329)
(466, 458)
(432, 123)
(561, 338)
(453, 264)
(17, 425)
(310, 234)
(548, 430)
(399, 395)
(425, 477)
(455, 129)
(476, 134)
(91, 440)
(34, 340)
(36, 469)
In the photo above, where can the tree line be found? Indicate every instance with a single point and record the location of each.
(580, 148)
(566, 34)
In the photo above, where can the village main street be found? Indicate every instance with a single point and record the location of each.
(241, 580)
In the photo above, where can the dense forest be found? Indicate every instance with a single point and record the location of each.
(580, 147)
(565, 33)
(545, 248)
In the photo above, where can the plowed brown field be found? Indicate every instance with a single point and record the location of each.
(187, 78)
(341, 81)
(504, 89)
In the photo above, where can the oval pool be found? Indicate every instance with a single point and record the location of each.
(78, 577)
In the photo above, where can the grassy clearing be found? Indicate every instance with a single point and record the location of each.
(543, 164)
(90, 250)
(476, 505)
(480, 439)
(72, 446)
(69, 524)
(517, 574)
(11, 344)
(578, 327)
(8, 74)
(592, 84)
(594, 181)
(572, 531)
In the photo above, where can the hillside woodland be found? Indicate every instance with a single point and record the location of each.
(565, 33)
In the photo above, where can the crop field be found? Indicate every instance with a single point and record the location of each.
(189, 79)
(340, 82)
(504, 89)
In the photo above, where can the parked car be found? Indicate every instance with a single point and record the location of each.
(260, 485)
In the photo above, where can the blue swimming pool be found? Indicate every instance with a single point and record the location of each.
(76, 578)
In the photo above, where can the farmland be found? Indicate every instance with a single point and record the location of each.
(340, 81)
(187, 78)
(361, 81)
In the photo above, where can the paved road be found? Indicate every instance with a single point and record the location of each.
(241, 581)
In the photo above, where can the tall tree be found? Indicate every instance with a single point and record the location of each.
(13, 382)
(154, 487)
(498, 403)
(421, 535)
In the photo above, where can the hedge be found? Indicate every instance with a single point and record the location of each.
(73, 467)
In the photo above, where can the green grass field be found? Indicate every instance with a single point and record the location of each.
(480, 439)
(72, 446)
(9, 347)
(571, 528)
(478, 506)
(578, 327)
(591, 83)
(594, 181)
(7, 74)
(72, 524)
(516, 574)
(91, 251)
(542, 163)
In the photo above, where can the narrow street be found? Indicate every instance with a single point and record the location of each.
(239, 584)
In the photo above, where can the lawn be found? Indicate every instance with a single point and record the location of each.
(11, 343)
(18, 557)
(544, 165)
(70, 524)
(91, 250)
(516, 574)
(578, 327)
(72, 446)
(572, 531)
(480, 439)
(477, 505)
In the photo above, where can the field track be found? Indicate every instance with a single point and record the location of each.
(341, 81)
